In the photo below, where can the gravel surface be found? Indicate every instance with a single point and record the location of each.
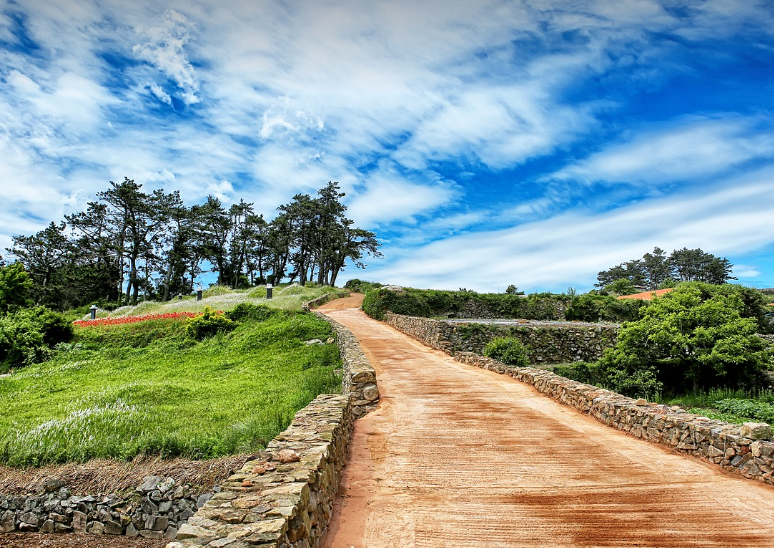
(456, 456)
(43, 540)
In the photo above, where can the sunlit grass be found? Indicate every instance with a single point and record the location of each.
(147, 388)
(289, 297)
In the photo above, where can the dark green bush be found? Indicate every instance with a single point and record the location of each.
(249, 311)
(361, 286)
(585, 372)
(208, 324)
(28, 335)
(595, 308)
(507, 350)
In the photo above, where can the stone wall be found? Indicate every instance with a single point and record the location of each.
(154, 510)
(285, 497)
(546, 342)
(359, 377)
(747, 450)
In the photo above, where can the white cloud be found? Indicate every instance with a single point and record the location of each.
(388, 197)
(569, 249)
(165, 50)
(687, 149)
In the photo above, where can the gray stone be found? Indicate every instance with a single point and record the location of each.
(7, 524)
(203, 499)
(149, 483)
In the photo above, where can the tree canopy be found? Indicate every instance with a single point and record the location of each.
(656, 270)
(129, 242)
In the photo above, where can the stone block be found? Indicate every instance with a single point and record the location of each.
(755, 430)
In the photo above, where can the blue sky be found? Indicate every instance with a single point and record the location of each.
(486, 143)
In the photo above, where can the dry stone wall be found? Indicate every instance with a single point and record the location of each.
(546, 342)
(359, 377)
(155, 510)
(283, 499)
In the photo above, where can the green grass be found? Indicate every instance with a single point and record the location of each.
(147, 388)
(289, 297)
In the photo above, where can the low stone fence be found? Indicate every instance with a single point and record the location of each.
(546, 342)
(359, 377)
(747, 450)
(284, 498)
(155, 510)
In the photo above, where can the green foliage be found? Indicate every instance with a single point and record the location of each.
(258, 293)
(434, 303)
(361, 286)
(621, 286)
(28, 335)
(208, 324)
(249, 311)
(585, 372)
(594, 308)
(508, 350)
(104, 397)
(694, 337)
(755, 410)
(15, 286)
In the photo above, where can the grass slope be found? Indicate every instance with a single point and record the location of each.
(147, 388)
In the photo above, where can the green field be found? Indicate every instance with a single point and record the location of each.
(148, 388)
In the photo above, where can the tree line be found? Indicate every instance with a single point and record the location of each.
(657, 270)
(128, 242)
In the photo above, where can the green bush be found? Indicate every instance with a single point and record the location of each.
(691, 339)
(756, 410)
(28, 335)
(507, 350)
(258, 293)
(595, 308)
(208, 324)
(584, 372)
(361, 286)
(15, 285)
(249, 311)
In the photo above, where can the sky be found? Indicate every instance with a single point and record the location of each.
(486, 143)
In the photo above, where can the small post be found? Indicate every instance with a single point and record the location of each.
(268, 291)
(179, 296)
(93, 311)
(198, 292)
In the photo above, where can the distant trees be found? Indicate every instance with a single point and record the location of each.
(129, 242)
(656, 269)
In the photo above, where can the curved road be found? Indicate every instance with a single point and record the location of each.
(456, 456)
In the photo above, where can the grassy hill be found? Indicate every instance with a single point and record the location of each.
(147, 387)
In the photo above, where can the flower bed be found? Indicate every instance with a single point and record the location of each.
(135, 319)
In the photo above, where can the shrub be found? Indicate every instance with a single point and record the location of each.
(507, 350)
(694, 337)
(361, 286)
(585, 372)
(208, 324)
(258, 293)
(28, 335)
(249, 311)
(15, 285)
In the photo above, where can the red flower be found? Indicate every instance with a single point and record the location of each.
(135, 319)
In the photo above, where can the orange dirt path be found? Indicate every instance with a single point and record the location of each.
(457, 456)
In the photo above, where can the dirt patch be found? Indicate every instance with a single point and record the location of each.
(460, 456)
(353, 301)
(103, 476)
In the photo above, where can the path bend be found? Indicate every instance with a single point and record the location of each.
(457, 456)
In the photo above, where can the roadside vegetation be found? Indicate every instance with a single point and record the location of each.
(220, 383)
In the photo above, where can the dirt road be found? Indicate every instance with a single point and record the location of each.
(456, 456)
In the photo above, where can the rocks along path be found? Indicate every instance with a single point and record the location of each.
(457, 456)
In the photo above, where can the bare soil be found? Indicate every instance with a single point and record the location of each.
(456, 456)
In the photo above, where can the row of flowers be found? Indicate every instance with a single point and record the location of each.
(135, 319)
